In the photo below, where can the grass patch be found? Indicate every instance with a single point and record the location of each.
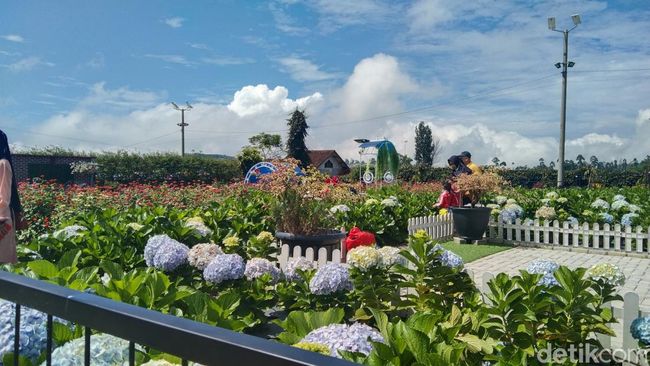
(471, 252)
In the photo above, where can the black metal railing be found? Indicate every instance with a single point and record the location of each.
(184, 338)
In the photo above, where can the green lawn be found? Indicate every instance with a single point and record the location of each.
(471, 252)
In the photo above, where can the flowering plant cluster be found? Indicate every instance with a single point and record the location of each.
(343, 337)
(258, 267)
(546, 268)
(329, 279)
(165, 253)
(364, 258)
(296, 265)
(507, 210)
(71, 231)
(640, 329)
(224, 267)
(105, 350)
(33, 332)
(202, 254)
(609, 273)
(198, 226)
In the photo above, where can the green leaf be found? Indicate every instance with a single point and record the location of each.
(8, 359)
(62, 333)
(43, 268)
(113, 269)
(69, 259)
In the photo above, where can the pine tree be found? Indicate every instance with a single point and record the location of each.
(296, 147)
(424, 146)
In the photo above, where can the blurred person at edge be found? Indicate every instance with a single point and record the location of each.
(9, 204)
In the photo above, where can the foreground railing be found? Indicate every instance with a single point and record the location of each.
(184, 338)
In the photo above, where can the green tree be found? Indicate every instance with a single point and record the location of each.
(296, 147)
(580, 159)
(270, 146)
(247, 157)
(426, 148)
(496, 161)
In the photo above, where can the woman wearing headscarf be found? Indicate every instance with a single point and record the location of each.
(9, 203)
(457, 166)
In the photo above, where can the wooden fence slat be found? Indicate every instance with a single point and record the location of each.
(639, 239)
(630, 312)
(628, 239)
(617, 237)
(606, 237)
(585, 235)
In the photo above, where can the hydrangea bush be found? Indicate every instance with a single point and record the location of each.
(364, 258)
(343, 337)
(546, 268)
(33, 332)
(640, 329)
(258, 267)
(105, 350)
(202, 254)
(329, 279)
(224, 267)
(294, 265)
(609, 273)
(198, 226)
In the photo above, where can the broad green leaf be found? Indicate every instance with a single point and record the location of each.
(43, 268)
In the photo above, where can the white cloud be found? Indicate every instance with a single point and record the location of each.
(375, 88)
(175, 22)
(122, 98)
(174, 59)
(97, 62)
(284, 22)
(13, 38)
(227, 60)
(304, 70)
(199, 46)
(27, 64)
(255, 100)
(341, 13)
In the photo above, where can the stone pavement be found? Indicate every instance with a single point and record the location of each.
(636, 269)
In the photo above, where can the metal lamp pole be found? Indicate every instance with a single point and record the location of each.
(565, 67)
(182, 124)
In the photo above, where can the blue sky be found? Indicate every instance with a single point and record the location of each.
(100, 75)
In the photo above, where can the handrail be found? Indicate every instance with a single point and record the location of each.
(188, 339)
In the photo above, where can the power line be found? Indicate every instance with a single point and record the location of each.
(613, 70)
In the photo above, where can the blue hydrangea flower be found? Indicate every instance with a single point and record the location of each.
(508, 216)
(601, 204)
(257, 267)
(105, 350)
(450, 259)
(153, 243)
(224, 267)
(640, 330)
(628, 219)
(33, 331)
(607, 218)
(296, 264)
(330, 278)
(343, 337)
(170, 256)
(545, 268)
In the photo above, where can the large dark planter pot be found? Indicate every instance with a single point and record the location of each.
(471, 223)
(329, 240)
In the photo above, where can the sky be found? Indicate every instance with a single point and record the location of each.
(100, 75)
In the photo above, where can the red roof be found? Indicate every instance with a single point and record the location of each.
(318, 157)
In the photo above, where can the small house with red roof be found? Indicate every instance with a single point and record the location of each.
(328, 162)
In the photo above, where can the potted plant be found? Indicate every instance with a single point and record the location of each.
(301, 207)
(472, 222)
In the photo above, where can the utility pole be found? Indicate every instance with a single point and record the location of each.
(565, 68)
(182, 124)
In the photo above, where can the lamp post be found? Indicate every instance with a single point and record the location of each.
(360, 141)
(182, 124)
(565, 64)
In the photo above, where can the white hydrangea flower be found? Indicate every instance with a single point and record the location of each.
(634, 208)
(600, 203)
(562, 200)
(607, 272)
(546, 213)
(552, 195)
(134, 226)
(390, 256)
(371, 201)
(390, 201)
(196, 223)
(619, 205)
(500, 199)
(364, 258)
(339, 208)
(511, 201)
(201, 255)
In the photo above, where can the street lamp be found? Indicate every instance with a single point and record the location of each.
(564, 65)
(182, 124)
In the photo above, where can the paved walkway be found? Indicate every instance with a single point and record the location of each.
(637, 270)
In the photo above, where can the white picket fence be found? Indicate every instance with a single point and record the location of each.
(606, 237)
(625, 312)
(319, 257)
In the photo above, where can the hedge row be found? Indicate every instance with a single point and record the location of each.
(126, 167)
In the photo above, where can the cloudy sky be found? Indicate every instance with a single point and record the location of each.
(101, 75)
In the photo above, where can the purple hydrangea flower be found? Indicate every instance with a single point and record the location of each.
(170, 256)
(152, 246)
(257, 267)
(546, 268)
(330, 278)
(296, 264)
(224, 267)
(640, 330)
(508, 216)
(343, 337)
(33, 332)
